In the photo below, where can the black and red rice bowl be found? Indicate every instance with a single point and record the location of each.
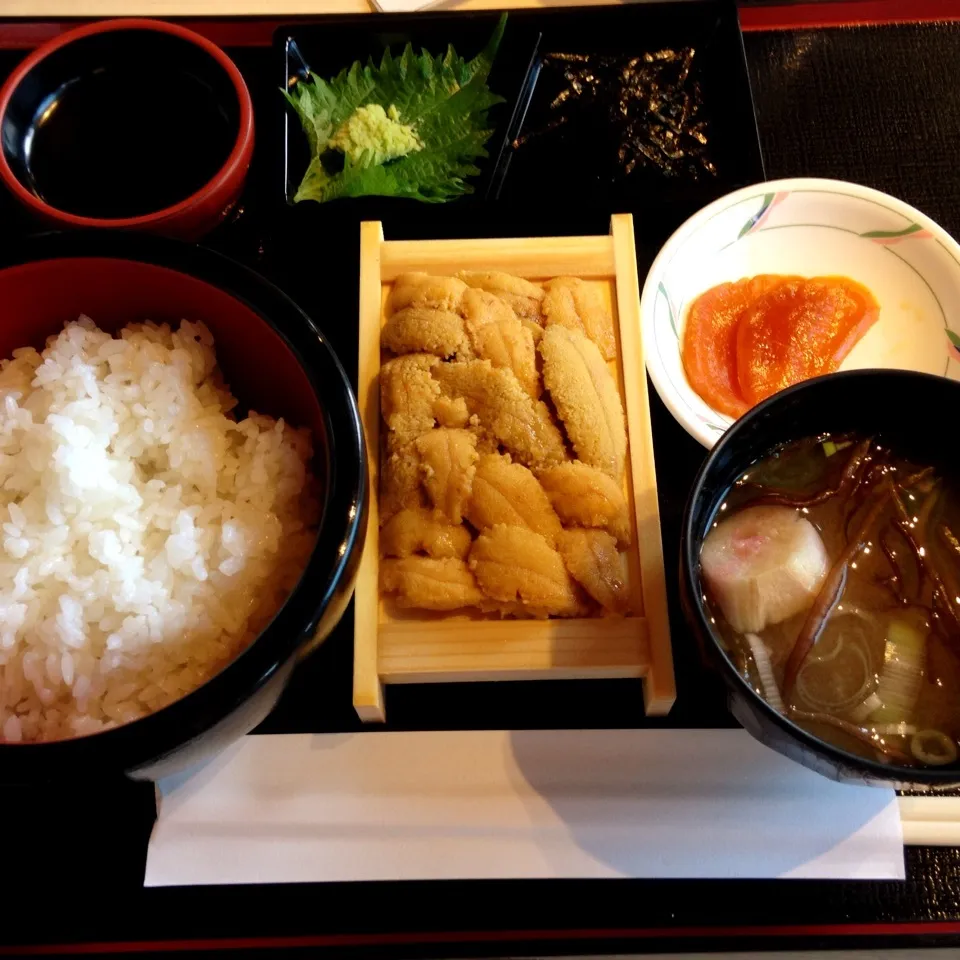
(275, 362)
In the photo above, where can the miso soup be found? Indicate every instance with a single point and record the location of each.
(831, 573)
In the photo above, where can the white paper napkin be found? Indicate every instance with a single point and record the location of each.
(522, 804)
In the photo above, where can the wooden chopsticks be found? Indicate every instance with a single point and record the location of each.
(930, 821)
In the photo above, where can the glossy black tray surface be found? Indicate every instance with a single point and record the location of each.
(857, 103)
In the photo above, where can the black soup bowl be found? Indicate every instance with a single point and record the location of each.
(908, 410)
(275, 361)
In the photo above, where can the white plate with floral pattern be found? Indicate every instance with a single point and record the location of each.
(812, 228)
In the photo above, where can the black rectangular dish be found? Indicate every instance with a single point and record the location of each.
(327, 49)
(644, 108)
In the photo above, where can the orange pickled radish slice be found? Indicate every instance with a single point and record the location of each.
(710, 341)
(799, 329)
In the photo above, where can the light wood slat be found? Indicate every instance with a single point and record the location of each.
(367, 690)
(467, 672)
(587, 257)
(412, 652)
(660, 689)
(421, 637)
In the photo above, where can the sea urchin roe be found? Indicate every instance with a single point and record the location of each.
(745, 341)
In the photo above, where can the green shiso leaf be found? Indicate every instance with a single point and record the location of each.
(444, 98)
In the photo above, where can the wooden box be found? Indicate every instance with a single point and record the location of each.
(393, 646)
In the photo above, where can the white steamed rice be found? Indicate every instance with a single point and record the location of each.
(145, 536)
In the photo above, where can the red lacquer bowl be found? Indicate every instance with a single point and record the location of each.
(128, 125)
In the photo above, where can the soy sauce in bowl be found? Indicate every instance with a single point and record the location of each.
(130, 124)
(118, 143)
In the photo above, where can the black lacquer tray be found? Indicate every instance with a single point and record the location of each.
(86, 852)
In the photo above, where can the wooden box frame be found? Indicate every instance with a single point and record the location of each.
(389, 649)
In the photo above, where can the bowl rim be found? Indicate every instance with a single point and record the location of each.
(187, 719)
(690, 540)
(665, 386)
(236, 161)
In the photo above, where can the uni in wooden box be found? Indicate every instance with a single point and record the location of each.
(399, 645)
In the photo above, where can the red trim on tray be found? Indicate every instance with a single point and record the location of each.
(27, 35)
(846, 13)
(239, 32)
(933, 928)
(256, 32)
